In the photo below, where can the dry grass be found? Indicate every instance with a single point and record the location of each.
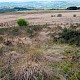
(23, 57)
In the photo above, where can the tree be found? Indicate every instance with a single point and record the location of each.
(72, 8)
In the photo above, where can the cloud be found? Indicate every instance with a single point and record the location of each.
(33, 0)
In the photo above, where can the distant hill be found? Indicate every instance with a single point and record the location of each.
(3, 10)
(18, 6)
(40, 4)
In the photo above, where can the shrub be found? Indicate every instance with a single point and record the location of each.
(15, 31)
(74, 15)
(22, 22)
(1, 39)
(72, 8)
(70, 36)
(33, 29)
(1, 51)
(78, 75)
(3, 30)
(52, 15)
(59, 15)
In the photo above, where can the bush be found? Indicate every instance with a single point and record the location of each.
(72, 8)
(22, 22)
(4, 30)
(74, 15)
(15, 32)
(70, 36)
(1, 51)
(33, 29)
(52, 15)
(59, 15)
(1, 39)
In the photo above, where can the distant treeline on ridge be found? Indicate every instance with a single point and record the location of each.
(73, 8)
(22, 9)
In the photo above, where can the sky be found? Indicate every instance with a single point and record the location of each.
(33, 0)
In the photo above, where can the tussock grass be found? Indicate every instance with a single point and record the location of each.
(74, 15)
(59, 15)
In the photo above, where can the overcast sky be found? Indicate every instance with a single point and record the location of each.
(33, 0)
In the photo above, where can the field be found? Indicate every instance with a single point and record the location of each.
(39, 51)
(42, 17)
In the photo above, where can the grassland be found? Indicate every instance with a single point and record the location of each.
(39, 51)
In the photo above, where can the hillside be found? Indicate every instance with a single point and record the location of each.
(40, 45)
(10, 6)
